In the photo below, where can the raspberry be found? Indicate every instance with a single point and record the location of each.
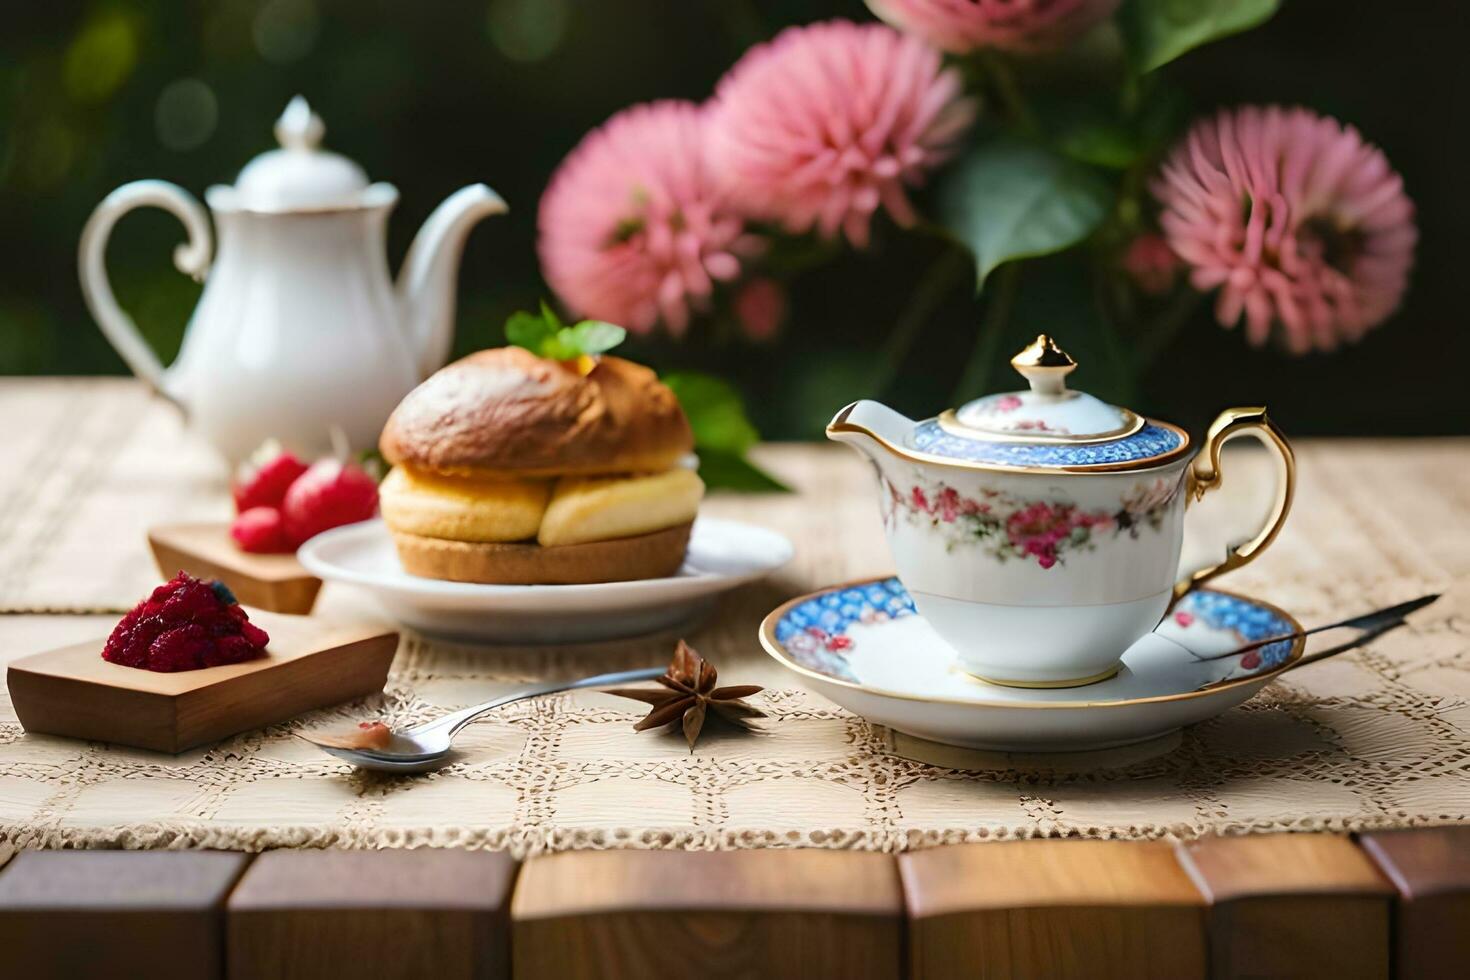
(191, 599)
(253, 634)
(185, 624)
(263, 481)
(133, 651)
(117, 642)
(261, 530)
(328, 495)
(180, 648)
(229, 650)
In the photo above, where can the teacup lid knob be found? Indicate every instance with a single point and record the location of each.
(1045, 366)
(300, 175)
(299, 128)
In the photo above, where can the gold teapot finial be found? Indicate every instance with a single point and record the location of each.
(1045, 366)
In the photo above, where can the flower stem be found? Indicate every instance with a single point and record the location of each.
(976, 377)
(1008, 94)
(1162, 329)
(1120, 365)
(935, 284)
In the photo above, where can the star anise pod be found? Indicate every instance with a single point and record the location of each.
(689, 694)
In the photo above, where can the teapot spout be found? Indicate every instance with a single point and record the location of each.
(870, 427)
(426, 284)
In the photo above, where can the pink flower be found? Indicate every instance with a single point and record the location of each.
(1038, 528)
(760, 306)
(1151, 263)
(826, 123)
(1007, 403)
(1295, 219)
(632, 226)
(947, 505)
(961, 26)
(921, 502)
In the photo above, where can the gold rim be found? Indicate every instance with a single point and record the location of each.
(1096, 678)
(841, 424)
(773, 648)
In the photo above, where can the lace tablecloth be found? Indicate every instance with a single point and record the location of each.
(1377, 738)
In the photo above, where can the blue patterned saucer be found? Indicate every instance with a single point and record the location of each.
(864, 646)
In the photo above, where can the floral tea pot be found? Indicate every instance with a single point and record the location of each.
(299, 328)
(1039, 532)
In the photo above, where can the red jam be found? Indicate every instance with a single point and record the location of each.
(187, 623)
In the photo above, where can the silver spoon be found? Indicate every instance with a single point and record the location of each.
(426, 746)
(1370, 626)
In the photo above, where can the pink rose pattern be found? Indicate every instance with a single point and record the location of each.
(1041, 530)
(1000, 410)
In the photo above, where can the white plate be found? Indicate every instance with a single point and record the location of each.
(863, 646)
(722, 555)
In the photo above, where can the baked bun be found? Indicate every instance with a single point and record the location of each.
(655, 555)
(507, 412)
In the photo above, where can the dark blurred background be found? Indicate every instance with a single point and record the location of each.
(432, 96)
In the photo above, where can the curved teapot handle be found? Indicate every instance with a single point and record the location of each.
(1203, 476)
(191, 258)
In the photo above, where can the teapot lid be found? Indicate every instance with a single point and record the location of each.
(300, 175)
(1048, 426)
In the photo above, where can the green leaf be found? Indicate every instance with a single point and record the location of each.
(1006, 199)
(715, 410)
(560, 346)
(528, 330)
(545, 336)
(731, 471)
(1101, 144)
(722, 432)
(596, 336)
(1158, 31)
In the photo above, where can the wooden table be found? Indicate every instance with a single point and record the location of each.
(1386, 903)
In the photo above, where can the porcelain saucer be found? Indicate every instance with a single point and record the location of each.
(863, 646)
(722, 555)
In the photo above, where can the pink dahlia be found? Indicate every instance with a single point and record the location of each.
(760, 306)
(633, 228)
(1151, 263)
(1296, 219)
(826, 123)
(961, 26)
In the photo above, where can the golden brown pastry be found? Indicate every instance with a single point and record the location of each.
(507, 412)
(510, 468)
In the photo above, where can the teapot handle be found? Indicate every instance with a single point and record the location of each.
(191, 258)
(1204, 475)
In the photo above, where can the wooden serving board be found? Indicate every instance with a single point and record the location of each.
(309, 664)
(206, 550)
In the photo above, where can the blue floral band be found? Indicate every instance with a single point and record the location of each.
(814, 633)
(1147, 443)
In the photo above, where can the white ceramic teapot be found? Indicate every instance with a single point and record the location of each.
(1039, 532)
(299, 328)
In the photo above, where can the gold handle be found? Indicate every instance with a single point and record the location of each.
(1203, 476)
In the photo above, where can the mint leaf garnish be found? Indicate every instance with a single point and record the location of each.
(546, 336)
(596, 336)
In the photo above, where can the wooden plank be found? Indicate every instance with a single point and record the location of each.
(381, 914)
(1430, 869)
(1052, 908)
(206, 550)
(1291, 905)
(773, 914)
(309, 663)
(115, 914)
